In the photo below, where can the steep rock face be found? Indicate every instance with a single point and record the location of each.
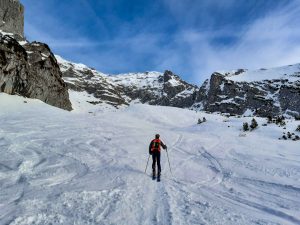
(31, 70)
(12, 17)
(179, 93)
(150, 87)
(155, 88)
(13, 66)
(81, 78)
(261, 92)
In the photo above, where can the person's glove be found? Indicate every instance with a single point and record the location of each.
(150, 152)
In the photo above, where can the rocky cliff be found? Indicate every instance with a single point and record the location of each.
(150, 87)
(12, 17)
(31, 70)
(241, 92)
(264, 92)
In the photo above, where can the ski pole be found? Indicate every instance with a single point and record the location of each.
(169, 161)
(147, 163)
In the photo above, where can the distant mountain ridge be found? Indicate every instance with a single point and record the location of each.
(153, 88)
(261, 92)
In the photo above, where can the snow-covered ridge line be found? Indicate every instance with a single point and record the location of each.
(262, 92)
(152, 87)
(290, 73)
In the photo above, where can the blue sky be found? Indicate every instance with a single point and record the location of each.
(193, 38)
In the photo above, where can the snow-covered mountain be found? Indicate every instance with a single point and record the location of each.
(261, 92)
(153, 88)
(31, 70)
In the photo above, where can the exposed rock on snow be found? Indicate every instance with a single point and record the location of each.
(82, 78)
(153, 88)
(264, 92)
(31, 70)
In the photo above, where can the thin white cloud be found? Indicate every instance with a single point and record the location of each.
(268, 41)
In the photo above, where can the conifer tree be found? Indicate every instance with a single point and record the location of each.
(245, 126)
(253, 124)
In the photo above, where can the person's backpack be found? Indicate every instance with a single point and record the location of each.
(156, 145)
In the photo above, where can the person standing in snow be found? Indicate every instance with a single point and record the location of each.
(154, 150)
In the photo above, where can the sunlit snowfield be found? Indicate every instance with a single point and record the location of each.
(58, 167)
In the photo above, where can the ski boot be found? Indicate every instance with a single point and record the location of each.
(153, 175)
(158, 177)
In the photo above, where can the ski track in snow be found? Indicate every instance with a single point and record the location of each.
(89, 169)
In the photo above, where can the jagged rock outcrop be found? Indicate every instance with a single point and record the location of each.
(261, 92)
(32, 71)
(179, 93)
(12, 17)
(241, 92)
(81, 78)
(153, 88)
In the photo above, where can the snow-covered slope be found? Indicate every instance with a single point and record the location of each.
(264, 92)
(149, 87)
(59, 167)
(290, 73)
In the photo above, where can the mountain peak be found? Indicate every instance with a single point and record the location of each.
(149, 87)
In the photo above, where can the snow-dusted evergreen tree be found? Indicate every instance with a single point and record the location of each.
(253, 124)
(269, 119)
(284, 137)
(245, 126)
(280, 121)
(199, 121)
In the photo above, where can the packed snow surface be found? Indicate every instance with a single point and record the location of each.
(84, 167)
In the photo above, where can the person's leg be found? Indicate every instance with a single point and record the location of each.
(158, 163)
(153, 162)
